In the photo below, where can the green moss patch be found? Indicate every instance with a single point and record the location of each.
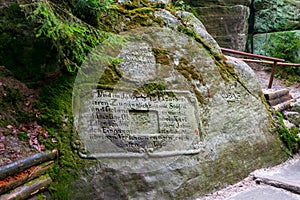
(289, 137)
(56, 113)
(110, 76)
(161, 56)
(126, 17)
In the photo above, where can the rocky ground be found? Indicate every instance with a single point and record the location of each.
(250, 183)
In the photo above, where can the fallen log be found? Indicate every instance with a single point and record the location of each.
(14, 181)
(20, 165)
(31, 188)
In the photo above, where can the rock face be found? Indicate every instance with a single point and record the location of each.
(275, 16)
(227, 24)
(226, 21)
(174, 119)
(272, 20)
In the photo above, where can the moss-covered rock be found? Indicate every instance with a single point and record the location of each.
(274, 15)
(235, 126)
(233, 135)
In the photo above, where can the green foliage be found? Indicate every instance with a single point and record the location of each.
(285, 46)
(88, 10)
(23, 136)
(70, 38)
(288, 74)
(69, 26)
(289, 137)
(20, 52)
(181, 5)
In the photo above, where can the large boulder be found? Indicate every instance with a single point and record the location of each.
(276, 15)
(171, 119)
(227, 24)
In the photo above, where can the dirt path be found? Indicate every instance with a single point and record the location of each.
(263, 75)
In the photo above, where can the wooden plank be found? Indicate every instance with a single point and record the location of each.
(14, 181)
(31, 188)
(20, 165)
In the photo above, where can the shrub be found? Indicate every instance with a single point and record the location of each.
(285, 45)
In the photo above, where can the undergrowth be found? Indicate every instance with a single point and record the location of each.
(71, 26)
(285, 45)
(289, 137)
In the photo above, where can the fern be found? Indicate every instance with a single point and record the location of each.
(72, 37)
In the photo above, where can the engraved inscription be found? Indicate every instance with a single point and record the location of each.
(140, 123)
(139, 62)
(231, 95)
(137, 114)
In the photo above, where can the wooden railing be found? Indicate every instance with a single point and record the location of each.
(270, 60)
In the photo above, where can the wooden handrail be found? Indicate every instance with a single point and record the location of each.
(251, 55)
(275, 61)
(270, 62)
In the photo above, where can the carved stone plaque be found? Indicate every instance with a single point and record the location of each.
(126, 124)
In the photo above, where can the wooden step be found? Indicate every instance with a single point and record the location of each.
(277, 97)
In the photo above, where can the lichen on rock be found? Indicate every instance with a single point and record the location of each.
(235, 129)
